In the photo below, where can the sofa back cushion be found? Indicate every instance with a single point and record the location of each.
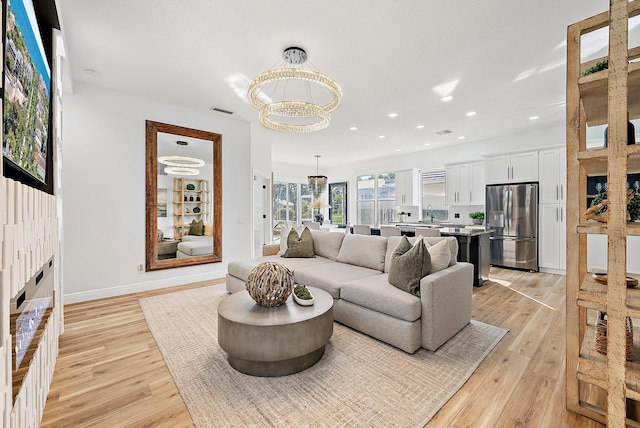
(430, 240)
(363, 250)
(327, 244)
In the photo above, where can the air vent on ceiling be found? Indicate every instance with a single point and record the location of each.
(444, 132)
(219, 110)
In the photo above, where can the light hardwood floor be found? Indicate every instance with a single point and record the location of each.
(110, 372)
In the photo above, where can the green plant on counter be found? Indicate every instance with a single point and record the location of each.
(302, 292)
(600, 65)
(402, 213)
(478, 215)
(633, 207)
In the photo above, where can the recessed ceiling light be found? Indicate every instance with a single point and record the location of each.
(534, 117)
(427, 144)
(420, 126)
(447, 98)
(397, 150)
(91, 72)
(471, 113)
(381, 136)
(461, 137)
(393, 115)
(353, 128)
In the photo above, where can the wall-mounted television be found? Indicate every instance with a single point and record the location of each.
(27, 139)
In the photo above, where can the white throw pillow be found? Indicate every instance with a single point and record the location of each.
(440, 255)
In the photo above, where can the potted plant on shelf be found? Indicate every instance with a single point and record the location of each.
(402, 216)
(302, 295)
(477, 217)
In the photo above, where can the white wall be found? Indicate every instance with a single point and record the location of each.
(104, 200)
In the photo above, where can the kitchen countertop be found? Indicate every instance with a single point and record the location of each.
(465, 230)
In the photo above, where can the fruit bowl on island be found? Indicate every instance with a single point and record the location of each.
(302, 295)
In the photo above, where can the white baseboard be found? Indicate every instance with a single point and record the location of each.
(555, 271)
(120, 290)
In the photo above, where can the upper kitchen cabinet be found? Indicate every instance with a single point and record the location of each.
(552, 171)
(408, 187)
(511, 168)
(465, 183)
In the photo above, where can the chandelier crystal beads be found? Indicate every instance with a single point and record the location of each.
(308, 115)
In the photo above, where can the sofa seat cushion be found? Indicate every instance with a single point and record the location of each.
(197, 247)
(377, 294)
(241, 269)
(330, 277)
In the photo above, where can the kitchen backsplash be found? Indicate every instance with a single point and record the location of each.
(464, 211)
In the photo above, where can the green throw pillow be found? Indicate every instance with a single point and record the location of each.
(409, 264)
(299, 245)
(196, 228)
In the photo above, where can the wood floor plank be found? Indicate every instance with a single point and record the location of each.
(110, 372)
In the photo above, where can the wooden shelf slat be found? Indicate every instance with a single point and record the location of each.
(593, 92)
(593, 294)
(592, 365)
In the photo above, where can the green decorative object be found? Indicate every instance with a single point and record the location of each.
(477, 217)
(600, 65)
(302, 295)
(302, 292)
(196, 210)
(633, 207)
(191, 186)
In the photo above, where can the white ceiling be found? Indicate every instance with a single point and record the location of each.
(507, 57)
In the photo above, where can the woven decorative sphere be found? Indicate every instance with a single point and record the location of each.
(270, 284)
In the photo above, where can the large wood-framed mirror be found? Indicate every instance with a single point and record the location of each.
(183, 208)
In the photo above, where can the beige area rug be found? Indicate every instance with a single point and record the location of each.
(359, 381)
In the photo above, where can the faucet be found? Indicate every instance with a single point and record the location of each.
(430, 212)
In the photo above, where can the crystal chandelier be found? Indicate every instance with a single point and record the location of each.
(318, 183)
(179, 164)
(302, 113)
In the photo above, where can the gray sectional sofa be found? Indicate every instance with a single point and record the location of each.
(353, 269)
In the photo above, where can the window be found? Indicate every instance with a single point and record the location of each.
(338, 203)
(291, 205)
(285, 202)
(386, 197)
(433, 196)
(306, 197)
(376, 198)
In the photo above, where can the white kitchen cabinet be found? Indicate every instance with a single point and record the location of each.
(552, 237)
(476, 183)
(464, 184)
(408, 187)
(511, 168)
(552, 172)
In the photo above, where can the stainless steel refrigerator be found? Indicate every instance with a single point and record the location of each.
(512, 213)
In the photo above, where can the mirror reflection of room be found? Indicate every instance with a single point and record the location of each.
(185, 177)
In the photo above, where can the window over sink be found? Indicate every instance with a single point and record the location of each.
(433, 196)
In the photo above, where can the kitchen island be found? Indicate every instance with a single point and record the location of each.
(473, 246)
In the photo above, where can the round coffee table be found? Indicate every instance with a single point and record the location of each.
(278, 341)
